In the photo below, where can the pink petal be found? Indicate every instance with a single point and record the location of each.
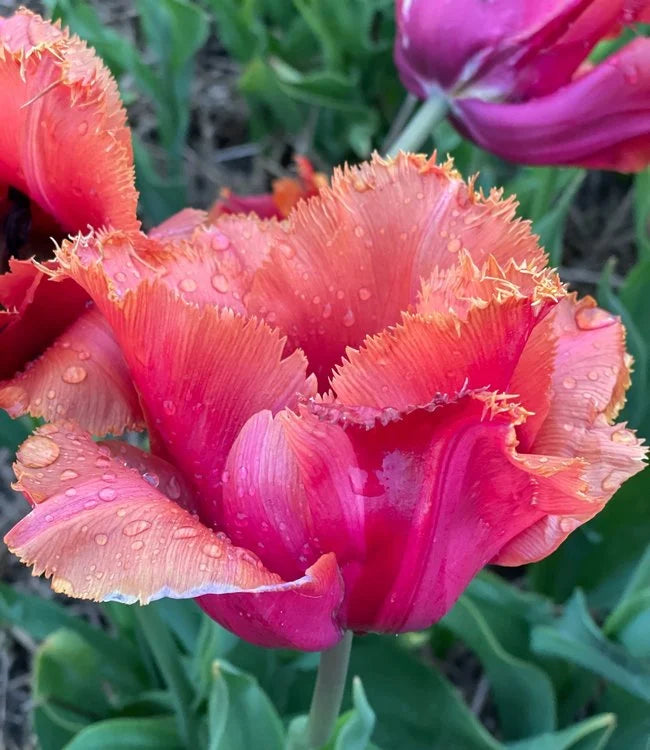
(103, 532)
(180, 226)
(348, 262)
(599, 120)
(81, 376)
(287, 492)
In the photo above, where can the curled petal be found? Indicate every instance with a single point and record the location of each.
(201, 374)
(37, 311)
(64, 143)
(437, 354)
(180, 226)
(103, 532)
(287, 492)
(81, 376)
(600, 120)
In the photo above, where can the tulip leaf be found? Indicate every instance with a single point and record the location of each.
(355, 727)
(415, 706)
(13, 431)
(522, 692)
(590, 734)
(633, 719)
(240, 714)
(576, 638)
(128, 734)
(642, 213)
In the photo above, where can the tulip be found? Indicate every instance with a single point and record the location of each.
(351, 412)
(515, 78)
(285, 195)
(65, 164)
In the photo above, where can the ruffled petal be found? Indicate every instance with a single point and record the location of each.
(201, 373)
(288, 495)
(64, 143)
(103, 532)
(38, 311)
(346, 263)
(600, 120)
(180, 226)
(81, 376)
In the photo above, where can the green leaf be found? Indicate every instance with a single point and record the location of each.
(590, 734)
(416, 708)
(355, 728)
(633, 719)
(576, 638)
(642, 213)
(522, 691)
(241, 716)
(128, 734)
(13, 431)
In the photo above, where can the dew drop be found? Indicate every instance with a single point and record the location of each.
(68, 474)
(187, 285)
(74, 374)
(107, 494)
(51, 394)
(220, 283)
(101, 539)
(71, 492)
(453, 245)
(610, 482)
(82, 128)
(151, 478)
(38, 452)
(185, 532)
(120, 277)
(592, 375)
(83, 355)
(169, 407)
(592, 318)
(569, 383)
(109, 476)
(287, 250)
(327, 310)
(213, 550)
(173, 488)
(136, 527)
(348, 319)
(219, 241)
(568, 427)
(138, 544)
(364, 294)
(623, 436)
(359, 231)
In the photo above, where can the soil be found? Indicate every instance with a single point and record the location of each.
(219, 154)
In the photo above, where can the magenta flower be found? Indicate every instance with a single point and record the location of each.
(518, 83)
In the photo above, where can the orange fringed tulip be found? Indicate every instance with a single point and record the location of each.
(65, 165)
(286, 194)
(351, 412)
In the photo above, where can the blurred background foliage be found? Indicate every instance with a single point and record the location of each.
(555, 656)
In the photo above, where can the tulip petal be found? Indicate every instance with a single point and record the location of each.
(346, 263)
(81, 376)
(287, 492)
(600, 120)
(104, 533)
(201, 373)
(37, 311)
(437, 354)
(180, 226)
(68, 147)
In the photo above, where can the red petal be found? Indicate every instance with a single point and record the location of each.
(201, 373)
(67, 147)
(180, 226)
(346, 263)
(44, 309)
(263, 206)
(81, 376)
(287, 492)
(103, 532)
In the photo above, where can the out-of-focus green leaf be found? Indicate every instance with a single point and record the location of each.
(416, 708)
(13, 431)
(51, 735)
(240, 27)
(522, 691)
(40, 618)
(632, 719)
(642, 213)
(240, 714)
(577, 639)
(590, 734)
(356, 726)
(156, 732)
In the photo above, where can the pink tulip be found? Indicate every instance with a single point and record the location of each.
(517, 81)
(351, 412)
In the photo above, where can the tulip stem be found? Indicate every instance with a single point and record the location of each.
(421, 124)
(328, 692)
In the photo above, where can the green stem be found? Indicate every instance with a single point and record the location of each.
(165, 654)
(328, 692)
(421, 124)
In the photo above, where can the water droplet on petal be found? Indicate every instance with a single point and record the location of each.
(68, 474)
(592, 318)
(136, 527)
(364, 294)
(359, 231)
(187, 285)
(138, 544)
(185, 532)
(169, 407)
(220, 283)
(74, 374)
(51, 394)
(101, 539)
(71, 492)
(623, 436)
(287, 250)
(83, 355)
(82, 128)
(348, 319)
(173, 488)
(37, 452)
(592, 375)
(151, 478)
(569, 383)
(327, 310)
(219, 241)
(453, 245)
(611, 482)
(213, 550)
(107, 494)
(567, 524)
